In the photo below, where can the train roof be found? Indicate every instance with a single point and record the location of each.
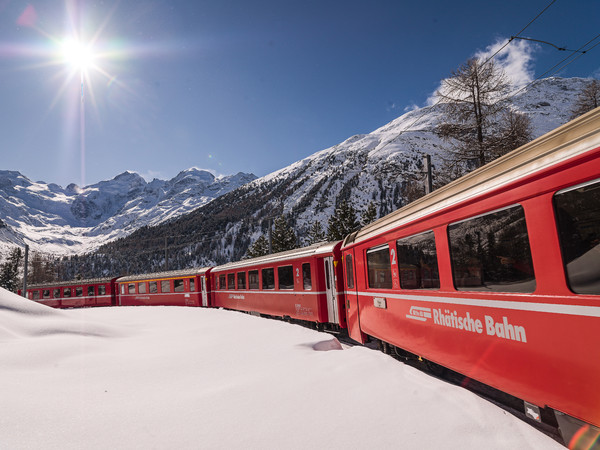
(312, 250)
(54, 284)
(559, 145)
(167, 274)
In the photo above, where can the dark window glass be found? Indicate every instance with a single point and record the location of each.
(349, 272)
(203, 284)
(578, 216)
(142, 287)
(306, 277)
(253, 279)
(241, 280)
(91, 291)
(178, 286)
(165, 286)
(153, 286)
(192, 285)
(327, 275)
(491, 253)
(131, 288)
(285, 277)
(56, 293)
(268, 278)
(36, 295)
(79, 291)
(231, 281)
(379, 268)
(417, 262)
(222, 282)
(46, 293)
(102, 290)
(67, 292)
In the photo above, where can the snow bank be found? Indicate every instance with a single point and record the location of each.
(168, 377)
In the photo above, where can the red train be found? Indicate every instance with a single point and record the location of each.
(495, 276)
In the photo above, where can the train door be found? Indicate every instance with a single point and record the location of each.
(351, 295)
(332, 310)
(204, 290)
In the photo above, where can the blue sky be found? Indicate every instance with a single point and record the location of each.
(242, 85)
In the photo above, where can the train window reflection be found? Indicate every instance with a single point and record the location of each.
(165, 286)
(285, 277)
(56, 293)
(131, 288)
(91, 291)
(153, 286)
(306, 277)
(578, 216)
(101, 289)
(230, 281)
(417, 262)
(241, 280)
(253, 279)
(349, 272)
(379, 268)
(178, 286)
(46, 293)
(491, 252)
(268, 278)
(142, 287)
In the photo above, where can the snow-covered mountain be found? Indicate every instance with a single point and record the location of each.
(370, 167)
(374, 167)
(75, 220)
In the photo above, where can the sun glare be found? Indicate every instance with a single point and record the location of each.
(77, 55)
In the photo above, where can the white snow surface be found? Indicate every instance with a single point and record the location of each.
(189, 378)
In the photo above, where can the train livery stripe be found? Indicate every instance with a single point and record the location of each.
(573, 310)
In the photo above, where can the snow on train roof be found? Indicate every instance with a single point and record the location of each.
(70, 283)
(168, 274)
(559, 145)
(315, 249)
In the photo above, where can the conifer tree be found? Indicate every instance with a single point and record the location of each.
(369, 215)
(284, 237)
(9, 270)
(478, 120)
(343, 222)
(260, 247)
(315, 233)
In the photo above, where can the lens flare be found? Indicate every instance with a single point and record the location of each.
(76, 55)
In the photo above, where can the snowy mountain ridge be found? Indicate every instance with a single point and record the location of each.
(77, 220)
(375, 167)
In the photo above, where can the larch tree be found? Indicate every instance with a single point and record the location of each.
(478, 121)
(588, 99)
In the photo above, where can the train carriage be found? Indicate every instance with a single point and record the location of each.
(74, 294)
(497, 275)
(189, 287)
(303, 284)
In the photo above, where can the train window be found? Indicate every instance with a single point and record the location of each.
(192, 285)
(178, 286)
(253, 279)
(306, 277)
(46, 293)
(79, 291)
(379, 268)
(153, 287)
(417, 262)
(102, 290)
(221, 281)
(165, 286)
(131, 288)
(203, 284)
(142, 287)
(285, 276)
(230, 281)
(91, 291)
(66, 292)
(122, 289)
(36, 295)
(241, 280)
(491, 252)
(268, 278)
(349, 272)
(56, 293)
(578, 217)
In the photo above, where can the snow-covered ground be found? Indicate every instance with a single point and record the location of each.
(189, 378)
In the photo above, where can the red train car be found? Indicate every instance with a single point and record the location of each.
(189, 287)
(74, 294)
(303, 284)
(497, 276)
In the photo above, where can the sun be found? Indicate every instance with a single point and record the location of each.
(78, 56)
